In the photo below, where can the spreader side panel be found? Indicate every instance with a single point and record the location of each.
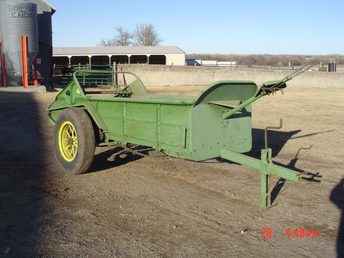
(162, 126)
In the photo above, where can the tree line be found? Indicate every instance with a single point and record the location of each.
(143, 35)
(270, 60)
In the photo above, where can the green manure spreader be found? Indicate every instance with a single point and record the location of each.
(215, 124)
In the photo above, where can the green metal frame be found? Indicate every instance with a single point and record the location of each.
(217, 123)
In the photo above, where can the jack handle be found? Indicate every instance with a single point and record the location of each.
(269, 128)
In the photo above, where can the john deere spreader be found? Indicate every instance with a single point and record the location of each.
(215, 124)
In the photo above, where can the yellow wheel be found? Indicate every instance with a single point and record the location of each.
(68, 141)
(74, 140)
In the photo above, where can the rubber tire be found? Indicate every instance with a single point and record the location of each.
(86, 148)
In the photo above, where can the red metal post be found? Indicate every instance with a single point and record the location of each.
(24, 40)
(3, 79)
(1, 65)
(5, 70)
(35, 73)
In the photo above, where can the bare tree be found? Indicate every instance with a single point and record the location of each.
(122, 38)
(146, 35)
(106, 43)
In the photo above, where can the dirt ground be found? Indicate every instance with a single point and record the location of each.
(159, 206)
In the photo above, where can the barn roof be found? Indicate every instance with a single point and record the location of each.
(117, 50)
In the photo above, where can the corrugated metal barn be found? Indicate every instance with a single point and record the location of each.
(104, 56)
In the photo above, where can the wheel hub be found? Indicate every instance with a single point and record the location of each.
(68, 141)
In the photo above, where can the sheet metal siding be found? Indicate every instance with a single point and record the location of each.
(162, 126)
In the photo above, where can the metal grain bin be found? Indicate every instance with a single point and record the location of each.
(44, 18)
(17, 18)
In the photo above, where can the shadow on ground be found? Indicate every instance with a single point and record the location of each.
(101, 161)
(337, 197)
(23, 175)
(276, 141)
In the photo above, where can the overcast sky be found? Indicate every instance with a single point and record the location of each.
(217, 26)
